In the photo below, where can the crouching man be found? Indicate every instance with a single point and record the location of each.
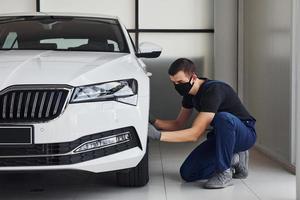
(224, 154)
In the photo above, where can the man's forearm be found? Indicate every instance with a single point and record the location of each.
(167, 125)
(186, 135)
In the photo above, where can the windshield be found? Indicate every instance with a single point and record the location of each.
(61, 33)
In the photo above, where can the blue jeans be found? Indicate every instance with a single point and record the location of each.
(229, 135)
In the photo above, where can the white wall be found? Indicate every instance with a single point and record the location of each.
(122, 8)
(9, 6)
(159, 14)
(296, 91)
(225, 43)
(267, 73)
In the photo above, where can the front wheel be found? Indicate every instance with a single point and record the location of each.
(137, 176)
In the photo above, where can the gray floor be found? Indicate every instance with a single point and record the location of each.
(267, 180)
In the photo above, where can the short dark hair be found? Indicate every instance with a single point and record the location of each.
(182, 64)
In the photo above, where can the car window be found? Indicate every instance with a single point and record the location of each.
(62, 33)
(63, 43)
(11, 40)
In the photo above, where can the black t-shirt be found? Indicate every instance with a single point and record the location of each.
(216, 96)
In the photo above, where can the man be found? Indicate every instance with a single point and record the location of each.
(223, 155)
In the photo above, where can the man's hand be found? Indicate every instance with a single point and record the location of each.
(153, 133)
(152, 119)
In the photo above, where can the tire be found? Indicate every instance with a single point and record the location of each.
(137, 176)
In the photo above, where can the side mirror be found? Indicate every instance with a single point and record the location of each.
(148, 50)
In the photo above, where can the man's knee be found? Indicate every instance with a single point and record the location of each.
(185, 173)
(189, 175)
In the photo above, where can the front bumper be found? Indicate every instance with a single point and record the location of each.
(118, 161)
(55, 140)
(63, 153)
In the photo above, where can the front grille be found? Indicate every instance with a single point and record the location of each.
(57, 153)
(35, 104)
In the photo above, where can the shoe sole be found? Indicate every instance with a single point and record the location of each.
(240, 175)
(217, 187)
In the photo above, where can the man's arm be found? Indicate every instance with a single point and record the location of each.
(192, 134)
(172, 125)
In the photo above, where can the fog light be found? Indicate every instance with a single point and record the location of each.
(103, 142)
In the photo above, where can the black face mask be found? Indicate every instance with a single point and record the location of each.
(184, 88)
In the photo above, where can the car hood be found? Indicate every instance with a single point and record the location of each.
(51, 67)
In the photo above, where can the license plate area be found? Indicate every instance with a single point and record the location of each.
(16, 135)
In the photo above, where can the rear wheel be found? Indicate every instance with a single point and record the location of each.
(137, 176)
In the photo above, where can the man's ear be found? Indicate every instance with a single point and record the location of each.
(194, 76)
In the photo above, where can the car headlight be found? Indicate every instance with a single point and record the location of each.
(124, 91)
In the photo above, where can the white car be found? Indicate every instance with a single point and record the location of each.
(74, 95)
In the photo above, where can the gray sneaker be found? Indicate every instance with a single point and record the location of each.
(220, 180)
(241, 167)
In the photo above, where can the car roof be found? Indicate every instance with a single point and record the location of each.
(58, 14)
